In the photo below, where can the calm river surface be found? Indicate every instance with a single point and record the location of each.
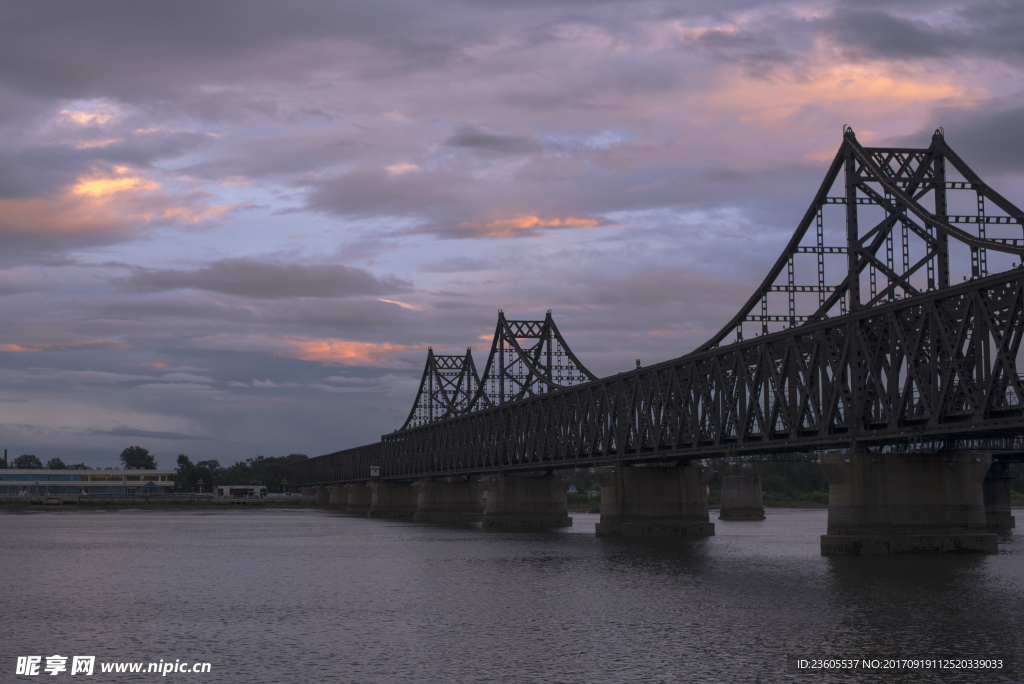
(312, 596)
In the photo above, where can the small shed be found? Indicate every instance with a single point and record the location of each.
(241, 491)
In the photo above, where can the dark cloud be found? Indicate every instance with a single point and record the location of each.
(456, 265)
(667, 286)
(200, 315)
(658, 153)
(148, 434)
(490, 143)
(989, 29)
(988, 137)
(380, 193)
(122, 50)
(37, 171)
(877, 34)
(257, 279)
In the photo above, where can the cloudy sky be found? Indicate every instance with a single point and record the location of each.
(234, 228)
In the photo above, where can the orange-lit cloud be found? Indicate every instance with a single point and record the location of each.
(690, 33)
(523, 224)
(84, 118)
(91, 344)
(342, 351)
(401, 304)
(101, 185)
(105, 200)
(398, 169)
(323, 350)
(100, 142)
(861, 90)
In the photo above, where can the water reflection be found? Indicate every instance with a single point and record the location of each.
(322, 597)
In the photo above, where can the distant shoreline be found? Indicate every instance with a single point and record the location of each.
(14, 505)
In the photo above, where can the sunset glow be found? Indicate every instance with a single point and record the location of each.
(284, 210)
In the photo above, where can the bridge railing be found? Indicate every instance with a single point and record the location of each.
(349, 465)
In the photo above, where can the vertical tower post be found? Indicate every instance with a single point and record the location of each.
(979, 257)
(430, 383)
(551, 343)
(889, 256)
(821, 258)
(792, 294)
(852, 231)
(942, 258)
(501, 358)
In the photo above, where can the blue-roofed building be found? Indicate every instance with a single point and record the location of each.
(15, 481)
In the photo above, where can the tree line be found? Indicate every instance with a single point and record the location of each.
(269, 471)
(31, 462)
(790, 480)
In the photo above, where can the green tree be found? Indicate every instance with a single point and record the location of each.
(268, 471)
(584, 479)
(137, 457)
(27, 461)
(185, 466)
(78, 466)
(55, 464)
(189, 474)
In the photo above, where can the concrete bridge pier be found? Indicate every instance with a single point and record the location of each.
(741, 498)
(337, 496)
(525, 501)
(442, 501)
(996, 487)
(357, 498)
(322, 496)
(392, 500)
(900, 503)
(654, 501)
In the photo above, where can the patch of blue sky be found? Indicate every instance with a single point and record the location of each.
(599, 140)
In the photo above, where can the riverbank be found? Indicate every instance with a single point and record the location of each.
(20, 504)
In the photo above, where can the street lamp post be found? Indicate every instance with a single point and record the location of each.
(200, 483)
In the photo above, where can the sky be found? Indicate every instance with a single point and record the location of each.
(232, 229)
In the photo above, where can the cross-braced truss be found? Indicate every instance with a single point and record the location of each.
(448, 387)
(527, 358)
(901, 358)
(880, 229)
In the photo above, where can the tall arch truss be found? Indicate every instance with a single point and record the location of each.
(527, 359)
(893, 320)
(886, 224)
(448, 387)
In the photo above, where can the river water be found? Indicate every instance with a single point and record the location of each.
(312, 596)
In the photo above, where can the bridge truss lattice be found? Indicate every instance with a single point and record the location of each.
(528, 358)
(886, 353)
(879, 229)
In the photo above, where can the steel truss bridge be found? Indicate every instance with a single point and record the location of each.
(878, 350)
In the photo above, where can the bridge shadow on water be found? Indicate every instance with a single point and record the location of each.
(565, 605)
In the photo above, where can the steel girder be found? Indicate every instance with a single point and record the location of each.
(941, 365)
(923, 364)
(887, 232)
(350, 465)
(448, 388)
(515, 371)
(450, 385)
